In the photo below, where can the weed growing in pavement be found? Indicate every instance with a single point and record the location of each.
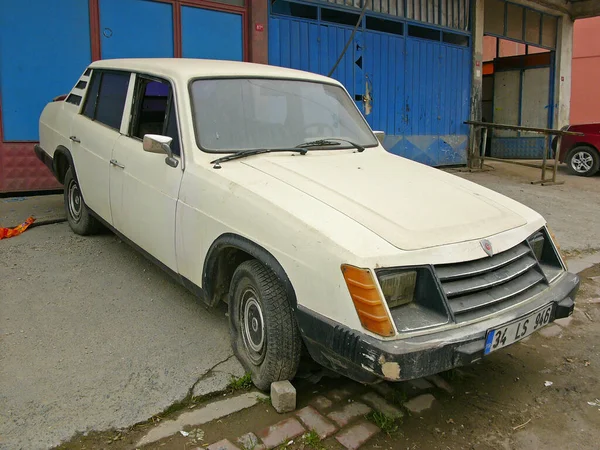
(242, 383)
(313, 440)
(388, 425)
(266, 399)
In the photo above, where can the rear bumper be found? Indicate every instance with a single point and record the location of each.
(44, 157)
(368, 360)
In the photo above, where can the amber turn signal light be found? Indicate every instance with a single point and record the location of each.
(367, 301)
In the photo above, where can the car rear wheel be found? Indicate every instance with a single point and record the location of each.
(78, 215)
(583, 161)
(263, 329)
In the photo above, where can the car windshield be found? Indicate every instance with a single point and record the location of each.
(233, 115)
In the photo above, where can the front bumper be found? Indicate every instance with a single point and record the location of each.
(368, 360)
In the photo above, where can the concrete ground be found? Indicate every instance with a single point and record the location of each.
(572, 209)
(93, 337)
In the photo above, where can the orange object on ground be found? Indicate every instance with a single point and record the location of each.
(11, 232)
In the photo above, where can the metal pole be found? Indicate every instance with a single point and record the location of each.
(483, 147)
(546, 145)
(556, 157)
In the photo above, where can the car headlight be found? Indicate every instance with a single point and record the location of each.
(398, 288)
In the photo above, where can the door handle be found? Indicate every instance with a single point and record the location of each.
(74, 139)
(114, 162)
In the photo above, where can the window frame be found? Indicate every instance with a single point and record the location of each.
(100, 73)
(136, 98)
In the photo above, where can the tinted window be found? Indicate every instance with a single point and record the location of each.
(111, 99)
(91, 95)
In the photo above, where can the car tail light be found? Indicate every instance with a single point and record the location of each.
(60, 98)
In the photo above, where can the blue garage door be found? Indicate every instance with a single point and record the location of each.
(136, 29)
(211, 34)
(411, 81)
(39, 59)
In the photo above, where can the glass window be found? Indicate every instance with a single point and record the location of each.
(111, 98)
(153, 101)
(92, 94)
(514, 26)
(532, 26)
(241, 114)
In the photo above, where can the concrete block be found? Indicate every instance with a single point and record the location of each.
(337, 395)
(355, 436)
(550, 331)
(281, 432)
(441, 383)
(283, 396)
(249, 441)
(384, 389)
(222, 445)
(379, 403)
(321, 403)
(565, 322)
(348, 413)
(316, 422)
(419, 404)
(419, 385)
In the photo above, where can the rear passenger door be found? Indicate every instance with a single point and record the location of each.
(94, 132)
(143, 188)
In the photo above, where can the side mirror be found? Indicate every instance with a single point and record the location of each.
(155, 143)
(379, 135)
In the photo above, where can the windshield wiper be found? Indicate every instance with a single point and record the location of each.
(330, 141)
(257, 151)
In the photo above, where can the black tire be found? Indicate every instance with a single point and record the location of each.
(263, 329)
(78, 215)
(583, 161)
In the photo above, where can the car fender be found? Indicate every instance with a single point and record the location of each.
(234, 241)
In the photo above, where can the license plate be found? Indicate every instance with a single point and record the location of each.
(517, 330)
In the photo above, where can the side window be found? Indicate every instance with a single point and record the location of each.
(155, 111)
(89, 110)
(105, 99)
(111, 98)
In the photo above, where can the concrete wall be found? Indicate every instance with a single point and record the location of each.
(585, 91)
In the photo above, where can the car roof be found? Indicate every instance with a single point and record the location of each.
(188, 68)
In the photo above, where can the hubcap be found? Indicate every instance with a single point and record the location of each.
(253, 329)
(582, 162)
(74, 200)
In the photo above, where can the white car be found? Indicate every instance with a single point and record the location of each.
(265, 188)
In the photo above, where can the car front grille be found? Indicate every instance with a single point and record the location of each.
(482, 287)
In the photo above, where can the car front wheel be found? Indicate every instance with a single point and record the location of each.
(79, 217)
(583, 161)
(265, 337)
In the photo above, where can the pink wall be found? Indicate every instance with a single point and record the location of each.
(585, 76)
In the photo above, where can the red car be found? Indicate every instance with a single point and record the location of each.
(581, 153)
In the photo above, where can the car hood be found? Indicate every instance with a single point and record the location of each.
(409, 205)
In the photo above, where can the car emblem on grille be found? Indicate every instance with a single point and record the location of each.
(487, 247)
